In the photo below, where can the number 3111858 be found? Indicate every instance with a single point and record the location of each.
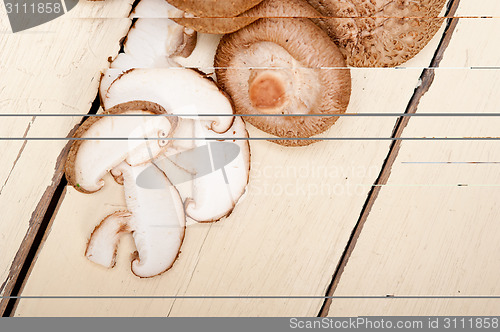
(38, 8)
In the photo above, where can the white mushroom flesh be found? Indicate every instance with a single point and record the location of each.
(156, 38)
(180, 91)
(122, 138)
(157, 218)
(203, 54)
(103, 242)
(215, 194)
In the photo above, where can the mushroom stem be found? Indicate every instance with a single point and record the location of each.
(157, 216)
(104, 240)
(215, 194)
(267, 91)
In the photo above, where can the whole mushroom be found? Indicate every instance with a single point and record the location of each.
(382, 33)
(286, 75)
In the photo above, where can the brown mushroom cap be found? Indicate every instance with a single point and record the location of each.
(380, 33)
(266, 9)
(214, 8)
(215, 25)
(284, 67)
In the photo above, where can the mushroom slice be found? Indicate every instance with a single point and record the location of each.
(221, 179)
(380, 33)
(104, 240)
(219, 8)
(266, 9)
(157, 218)
(124, 62)
(203, 55)
(211, 177)
(182, 142)
(282, 69)
(104, 142)
(183, 92)
(151, 43)
(159, 38)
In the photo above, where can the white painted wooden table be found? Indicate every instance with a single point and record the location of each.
(421, 235)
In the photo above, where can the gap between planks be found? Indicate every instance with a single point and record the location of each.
(46, 210)
(40, 224)
(426, 80)
(41, 221)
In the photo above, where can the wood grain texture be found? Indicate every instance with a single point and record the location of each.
(426, 80)
(433, 229)
(54, 68)
(483, 8)
(284, 238)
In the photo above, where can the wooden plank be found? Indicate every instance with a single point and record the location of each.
(482, 8)
(53, 68)
(284, 238)
(432, 230)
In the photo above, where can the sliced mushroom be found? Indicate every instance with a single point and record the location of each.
(183, 92)
(104, 240)
(203, 55)
(154, 41)
(215, 194)
(157, 218)
(380, 33)
(104, 142)
(281, 69)
(217, 169)
(159, 38)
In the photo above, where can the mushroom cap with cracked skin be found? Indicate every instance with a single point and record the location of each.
(281, 67)
(266, 9)
(381, 33)
(90, 158)
(214, 8)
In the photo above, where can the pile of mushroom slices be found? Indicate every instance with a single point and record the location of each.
(168, 135)
(284, 62)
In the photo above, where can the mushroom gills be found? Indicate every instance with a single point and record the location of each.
(174, 90)
(157, 218)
